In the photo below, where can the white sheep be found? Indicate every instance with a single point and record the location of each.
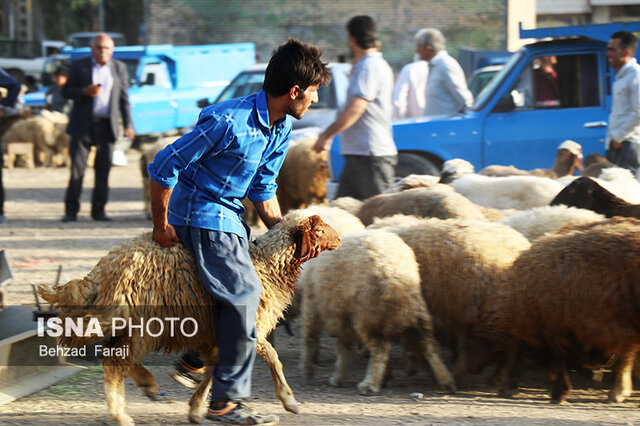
(538, 221)
(369, 291)
(139, 279)
(348, 204)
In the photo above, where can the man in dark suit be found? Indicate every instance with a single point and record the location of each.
(98, 87)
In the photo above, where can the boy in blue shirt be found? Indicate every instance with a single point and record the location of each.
(235, 151)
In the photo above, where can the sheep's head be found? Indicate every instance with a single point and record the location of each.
(312, 237)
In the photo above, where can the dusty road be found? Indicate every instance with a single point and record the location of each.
(37, 243)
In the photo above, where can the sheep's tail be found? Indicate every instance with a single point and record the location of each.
(76, 299)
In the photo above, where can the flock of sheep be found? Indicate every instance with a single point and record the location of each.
(495, 269)
(47, 133)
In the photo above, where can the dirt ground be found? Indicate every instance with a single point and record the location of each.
(37, 243)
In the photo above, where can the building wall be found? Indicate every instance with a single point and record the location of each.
(474, 23)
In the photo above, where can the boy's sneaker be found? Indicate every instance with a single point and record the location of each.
(188, 377)
(236, 413)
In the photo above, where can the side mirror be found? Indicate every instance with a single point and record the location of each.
(150, 81)
(204, 102)
(505, 104)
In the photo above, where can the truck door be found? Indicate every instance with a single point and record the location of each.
(153, 106)
(556, 97)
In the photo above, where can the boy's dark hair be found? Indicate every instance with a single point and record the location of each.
(627, 40)
(60, 71)
(295, 63)
(363, 29)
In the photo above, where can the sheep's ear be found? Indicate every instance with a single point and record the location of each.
(303, 245)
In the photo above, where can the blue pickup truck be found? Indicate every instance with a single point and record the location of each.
(509, 124)
(166, 81)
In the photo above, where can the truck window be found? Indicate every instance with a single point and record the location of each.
(159, 72)
(563, 81)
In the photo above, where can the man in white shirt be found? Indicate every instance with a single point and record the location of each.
(409, 91)
(623, 135)
(447, 92)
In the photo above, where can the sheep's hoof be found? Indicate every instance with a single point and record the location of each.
(367, 389)
(449, 387)
(618, 396)
(152, 394)
(291, 406)
(194, 418)
(125, 420)
(335, 380)
(507, 393)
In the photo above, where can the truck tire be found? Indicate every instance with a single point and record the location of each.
(415, 164)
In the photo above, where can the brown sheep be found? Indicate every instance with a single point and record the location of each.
(437, 201)
(48, 138)
(575, 289)
(568, 160)
(302, 180)
(585, 193)
(139, 279)
(461, 262)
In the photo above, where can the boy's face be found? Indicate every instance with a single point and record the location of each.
(301, 104)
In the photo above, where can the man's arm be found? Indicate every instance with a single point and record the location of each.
(163, 232)
(352, 113)
(269, 211)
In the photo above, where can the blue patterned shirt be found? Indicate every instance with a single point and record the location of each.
(229, 155)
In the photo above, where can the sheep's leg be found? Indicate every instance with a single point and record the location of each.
(411, 355)
(636, 367)
(282, 389)
(431, 351)
(512, 372)
(198, 399)
(145, 380)
(561, 385)
(114, 391)
(311, 331)
(343, 356)
(622, 385)
(378, 359)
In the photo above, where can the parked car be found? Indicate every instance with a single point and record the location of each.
(331, 98)
(482, 77)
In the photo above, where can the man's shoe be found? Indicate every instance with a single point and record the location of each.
(69, 218)
(101, 217)
(236, 413)
(190, 379)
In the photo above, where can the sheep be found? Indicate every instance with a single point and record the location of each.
(349, 204)
(367, 290)
(461, 262)
(574, 289)
(139, 279)
(303, 177)
(594, 164)
(47, 137)
(539, 221)
(437, 201)
(586, 193)
(568, 160)
(342, 221)
(510, 192)
(413, 181)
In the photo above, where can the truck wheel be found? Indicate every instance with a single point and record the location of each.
(415, 164)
